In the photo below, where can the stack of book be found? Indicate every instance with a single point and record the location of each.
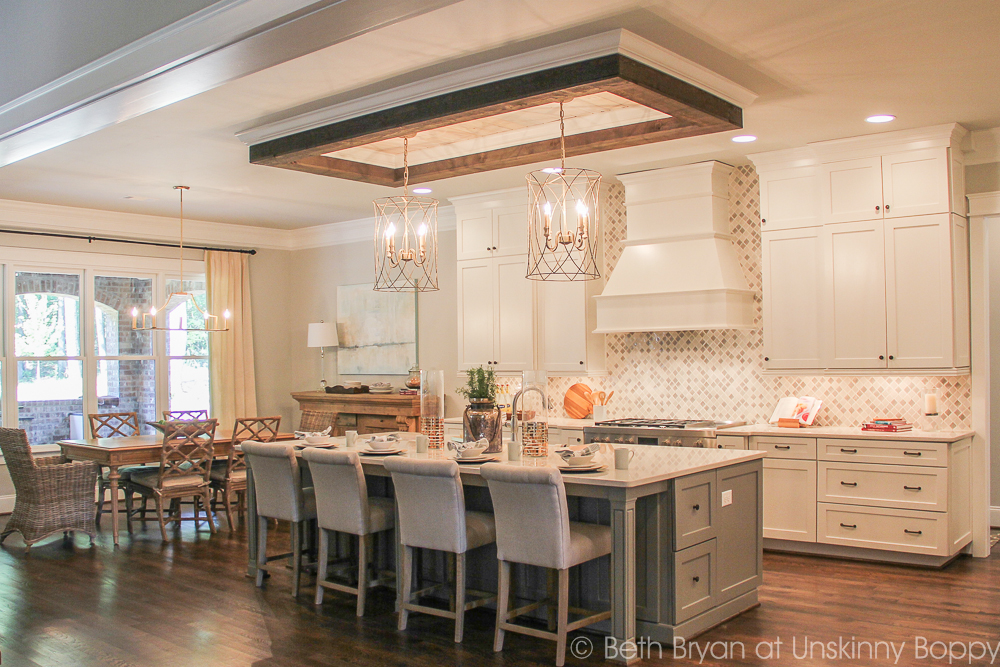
(894, 425)
(409, 392)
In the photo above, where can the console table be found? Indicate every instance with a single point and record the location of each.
(376, 413)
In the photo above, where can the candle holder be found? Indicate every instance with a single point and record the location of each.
(432, 407)
(931, 420)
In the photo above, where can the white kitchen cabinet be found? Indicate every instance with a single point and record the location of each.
(495, 314)
(493, 224)
(790, 499)
(851, 190)
(789, 198)
(792, 267)
(567, 317)
(854, 295)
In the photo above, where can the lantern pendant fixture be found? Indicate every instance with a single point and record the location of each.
(147, 321)
(406, 239)
(563, 225)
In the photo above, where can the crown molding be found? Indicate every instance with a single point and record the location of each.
(984, 203)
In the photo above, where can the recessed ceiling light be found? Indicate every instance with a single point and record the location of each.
(421, 191)
(744, 138)
(880, 118)
(552, 170)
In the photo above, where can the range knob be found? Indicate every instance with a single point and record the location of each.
(699, 443)
(678, 443)
(620, 440)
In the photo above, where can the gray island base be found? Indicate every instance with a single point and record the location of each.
(687, 532)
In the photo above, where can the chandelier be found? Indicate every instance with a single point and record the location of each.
(406, 239)
(563, 210)
(148, 321)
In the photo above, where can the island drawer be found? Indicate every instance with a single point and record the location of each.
(694, 508)
(695, 580)
(900, 452)
(903, 487)
(876, 528)
(782, 447)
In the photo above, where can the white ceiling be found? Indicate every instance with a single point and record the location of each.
(819, 66)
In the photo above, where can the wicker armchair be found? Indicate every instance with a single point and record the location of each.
(316, 420)
(53, 494)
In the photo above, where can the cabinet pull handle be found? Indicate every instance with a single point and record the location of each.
(877, 209)
(581, 363)
(488, 248)
(905, 453)
(696, 579)
(848, 483)
(767, 359)
(891, 357)
(886, 208)
(763, 221)
(848, 525)
(911, 488)
(696, 507)
(881, 357)
(848, 451)
(782, 446)
(913, 532)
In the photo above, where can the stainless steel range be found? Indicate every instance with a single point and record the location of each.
(664, 432)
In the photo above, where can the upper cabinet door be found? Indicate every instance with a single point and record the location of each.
(514, 322)
(854, 307)
(789, 198)
(511, 235)
(851, 190)
(793, 278)
(919, 291)
(475, 313)
(474, 235)
(562, 326)
(915, 182)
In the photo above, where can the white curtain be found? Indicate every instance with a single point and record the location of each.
(231, 365)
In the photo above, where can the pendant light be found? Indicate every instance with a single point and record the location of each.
(406, 239)
(563, 211)
(148, 321)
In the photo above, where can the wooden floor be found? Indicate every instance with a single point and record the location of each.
(187, 603)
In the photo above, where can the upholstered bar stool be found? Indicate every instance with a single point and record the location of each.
(279, 493)
(343, 506)
(430, 501)
(533, 528)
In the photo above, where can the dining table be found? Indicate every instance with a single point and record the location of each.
(645, 518)
(114, 453)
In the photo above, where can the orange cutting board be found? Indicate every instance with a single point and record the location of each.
(577, 402)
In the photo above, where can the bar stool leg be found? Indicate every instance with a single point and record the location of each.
(362, 572)
(404, 588)
(563, 617)
(503, 593)
(324, 555)
(296, 556)
(459, 596)
(261, 549)
(552, 592)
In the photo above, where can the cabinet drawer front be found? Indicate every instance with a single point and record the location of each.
(781, 447)
(899, 452)
(694, 512)
(694, 580)
(379, 421)
(905, 487)
(892, 530)
(789, 509)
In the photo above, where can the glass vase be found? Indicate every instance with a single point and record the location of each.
(533, 414)
(432, 407)
(482, 419)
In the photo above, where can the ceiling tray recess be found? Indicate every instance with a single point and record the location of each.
(618, 90)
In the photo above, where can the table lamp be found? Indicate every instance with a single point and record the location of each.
(323, 335)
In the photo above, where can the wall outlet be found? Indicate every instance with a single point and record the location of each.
(727, 497)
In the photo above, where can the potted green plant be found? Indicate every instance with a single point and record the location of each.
(482, 418)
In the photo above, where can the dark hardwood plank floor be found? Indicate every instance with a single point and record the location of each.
(187, 603)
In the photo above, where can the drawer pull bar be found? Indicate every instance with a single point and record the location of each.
(696, 579)
(696, 507)
(911, 488)
(848, 483)
(906, 453)
(848, 451)
(848, 525)
(913, 532)
(782, 446)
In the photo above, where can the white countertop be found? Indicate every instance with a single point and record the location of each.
(854, 432)
(650, 464)
(554, 422)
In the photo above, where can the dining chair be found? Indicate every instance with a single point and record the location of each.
(533, 528)
(343, 506)
(113, 425)
(52, 494)
(186, 456)
(185, 415)
(279, 493)
(230, 476)
(317, 420)
(432, 515)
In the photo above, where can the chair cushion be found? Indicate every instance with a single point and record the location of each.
(219, 475)
(150, 480)
(381, 514)
(480, 529)
(587, 541)
(123, 473)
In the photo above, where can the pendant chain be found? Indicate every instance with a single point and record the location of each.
(406, 165)
(562, 137)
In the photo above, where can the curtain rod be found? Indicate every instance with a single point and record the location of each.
(91, 239)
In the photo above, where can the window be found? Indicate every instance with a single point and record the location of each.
(68, 347)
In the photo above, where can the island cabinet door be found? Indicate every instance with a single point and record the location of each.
(694, 509)
(696, 573)
(739, 527)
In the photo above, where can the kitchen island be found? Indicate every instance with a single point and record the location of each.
(686, 537)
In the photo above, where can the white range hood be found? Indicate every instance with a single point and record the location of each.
(679, 270)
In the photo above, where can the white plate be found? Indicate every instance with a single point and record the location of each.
(593, 467)
(380, 391)
(380, 452)
(321, 445)
(485, 458)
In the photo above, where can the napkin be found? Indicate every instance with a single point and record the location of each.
(462, 446)
(383, 438)
(584, 451)
(307, 434)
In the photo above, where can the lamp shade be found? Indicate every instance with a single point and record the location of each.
(323, 334)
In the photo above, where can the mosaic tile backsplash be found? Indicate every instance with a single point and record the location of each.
(720, 374)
